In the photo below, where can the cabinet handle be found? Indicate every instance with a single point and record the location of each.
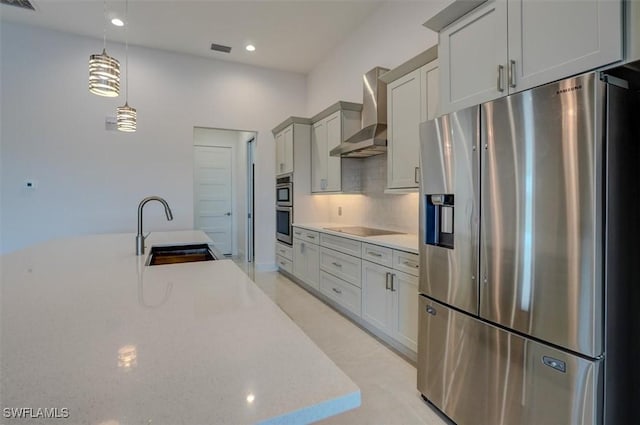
(512, 74)
(374, 254)
(415, 175)
(408, 264)
(500, 74)
(282, 263)
(393, 278)
(311, 237)
(337, 264)
(337, 291)
(386, 283)
(298, 233)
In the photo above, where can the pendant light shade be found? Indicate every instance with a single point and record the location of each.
(126, 117)
(104, 75)
(104, 71)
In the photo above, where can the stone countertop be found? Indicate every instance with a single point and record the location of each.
(86, 326)
(404, 242)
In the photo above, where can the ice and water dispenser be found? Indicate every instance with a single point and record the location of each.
(439, 220)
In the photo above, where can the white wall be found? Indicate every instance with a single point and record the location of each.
(390, 36)
(90, 180)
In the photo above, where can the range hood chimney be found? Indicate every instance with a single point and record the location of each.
(372, 139)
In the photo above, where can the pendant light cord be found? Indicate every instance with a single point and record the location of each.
(104, 25)
(126, 50)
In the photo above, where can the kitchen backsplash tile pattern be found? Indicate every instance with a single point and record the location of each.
(374, 208)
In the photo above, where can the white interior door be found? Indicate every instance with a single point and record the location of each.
(212, 195)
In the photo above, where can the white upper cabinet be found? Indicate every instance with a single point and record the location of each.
(284, 151)
(552, 40)
(328, 131)
(473, 56)
(411, 99)
(506, 46)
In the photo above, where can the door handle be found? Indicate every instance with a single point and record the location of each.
(415, 175)
(227, 214)
(512, 74)
(500, 75)
(393, 278)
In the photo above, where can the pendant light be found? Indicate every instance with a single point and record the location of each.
(126, 115)
(104, 70)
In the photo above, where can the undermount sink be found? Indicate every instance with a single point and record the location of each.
(180, 254)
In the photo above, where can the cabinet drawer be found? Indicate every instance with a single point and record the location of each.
(377, 254)
(284, 251)
(341, 265)
(406, 262)
(348, 246)
(341, 292)
(306, 235)
(284, 264)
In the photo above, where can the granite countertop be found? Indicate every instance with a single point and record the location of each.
(87, 327)
(404, 242)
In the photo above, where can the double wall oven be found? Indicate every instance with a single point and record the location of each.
(284, 209)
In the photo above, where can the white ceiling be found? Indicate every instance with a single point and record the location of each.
(288, 35)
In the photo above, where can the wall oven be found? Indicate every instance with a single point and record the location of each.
(284, 191)
(284, 220)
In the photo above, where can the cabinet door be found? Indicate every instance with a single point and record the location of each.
(280, 153)
(287, 149)
(334, 138)
(470, 53)
(404, 288)
(552, 40)
(299, 259)
(312, 257)
(403, 113)
(429, 91)
(319, 156)
(377, 301)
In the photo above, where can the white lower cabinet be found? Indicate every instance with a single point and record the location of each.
(306, 262)
(382, 296)
(390, 302)
(405, 309)
(377, 299)
(343, 293)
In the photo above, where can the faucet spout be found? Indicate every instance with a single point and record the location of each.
(140, 236)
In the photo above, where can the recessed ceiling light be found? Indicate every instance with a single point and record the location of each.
(117, 22)
(250, 47)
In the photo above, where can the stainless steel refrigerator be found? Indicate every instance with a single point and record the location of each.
(530, 227)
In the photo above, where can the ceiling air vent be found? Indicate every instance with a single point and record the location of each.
(216, 47)
(24, 4)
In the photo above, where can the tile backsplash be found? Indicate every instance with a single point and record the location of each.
(374, 208)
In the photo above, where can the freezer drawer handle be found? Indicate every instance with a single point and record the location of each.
(558, 365)
(431, 310)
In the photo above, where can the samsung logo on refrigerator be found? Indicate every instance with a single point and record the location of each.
(570, 89)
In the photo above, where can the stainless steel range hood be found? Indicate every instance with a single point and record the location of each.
(372, 139)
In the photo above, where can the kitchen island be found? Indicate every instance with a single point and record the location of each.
(88, 329)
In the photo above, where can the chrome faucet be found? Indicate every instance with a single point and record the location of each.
(140, 237)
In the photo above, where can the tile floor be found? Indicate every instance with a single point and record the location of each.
(387, 382)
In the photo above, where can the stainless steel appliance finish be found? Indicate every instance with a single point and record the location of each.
(483, 375)
(450, 162)
(542, 196)
(372, 138)
(541, 211)
(284, 191)
(363, 231)
(284, 222)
